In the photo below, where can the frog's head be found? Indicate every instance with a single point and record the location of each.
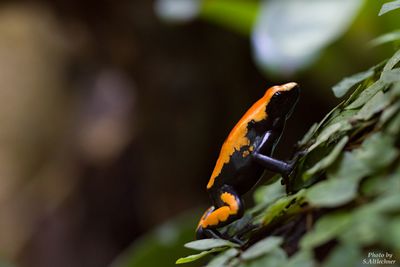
(283, 99)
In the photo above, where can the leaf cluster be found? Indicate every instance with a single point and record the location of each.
(346, 199)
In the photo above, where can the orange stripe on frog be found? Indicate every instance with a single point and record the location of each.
(221, 214)
(237, 137)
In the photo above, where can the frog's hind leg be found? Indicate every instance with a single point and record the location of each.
(201, 230)
(228, 208)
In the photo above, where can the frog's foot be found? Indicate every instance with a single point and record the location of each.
(291, 164)
(299, 154)
(290, 167)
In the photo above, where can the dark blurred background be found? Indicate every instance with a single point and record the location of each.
(112, 118)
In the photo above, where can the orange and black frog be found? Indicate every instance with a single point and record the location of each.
(245, 154)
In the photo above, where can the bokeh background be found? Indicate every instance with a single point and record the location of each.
(112, 112)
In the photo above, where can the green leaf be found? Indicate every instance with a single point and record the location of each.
(326, 228)
(376, 104)
(343, 255)
(328, 160)
(303, 258)
(393, 127)
(349, 167)
(346, 84)
(332, 192)
(370, 222)
(389, 7)
(235, 262)
(222, 259)
(391, 76)
(205, 244)
(395, 89)
(276, 257)
(376, 152)
(283, 206)
(236, 226)
(331, 114)
(392, 234)
(386, 38)
(368, 82)
(237, 15)
(388, 113)
(367, 94)
(307, 137)
(364, 229)
(392, 61)
(382, 184)
(262, 247)
(344, 115)
(195, 257)
(329, 131)
(386, 204)
(266, 194)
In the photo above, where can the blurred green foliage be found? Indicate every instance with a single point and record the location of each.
(289, 36)
(237, 15)
(162, 246)
(5, 264)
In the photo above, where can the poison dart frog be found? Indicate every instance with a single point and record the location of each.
(245, 154)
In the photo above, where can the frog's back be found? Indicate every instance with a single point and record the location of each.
(239, 143)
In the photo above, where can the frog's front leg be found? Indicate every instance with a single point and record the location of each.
(278, 166)
(271, 164)
(228, 208)
(266, 145)
(274, 165)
